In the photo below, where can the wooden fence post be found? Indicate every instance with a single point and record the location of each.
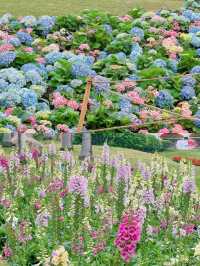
(86, 147)
(66, 140)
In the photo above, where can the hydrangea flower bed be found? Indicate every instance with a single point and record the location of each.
(45, 61)
(55, 210)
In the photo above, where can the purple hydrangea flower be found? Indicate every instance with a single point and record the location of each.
(164, 99)
(187, 93)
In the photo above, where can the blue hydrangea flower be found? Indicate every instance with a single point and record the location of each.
(15, 76)
(195, 41)
(67, 54)
(82, 70)
(50, 133)
(173, 64)
(15, 42)
(5, 19)
(194, 29)
(188, 81)
(33, 77)
(101, 84)
(25, 37)
(75, 83)
(65, 88)
(197, 120)
(50, 68)
(52, 57)
(124, 115)
(11, 127)
(195, 70)
(198, 51)
(41, 69)
(160, 63)
(42, 107)
(82, 59)
(102, 55)
(125, 105)
(29, 98)
(137, 32)
(133, 77)
(45, 24)
(7, 58)
(3, 85)
(191, 15)
(10, 98)
(187, 93)
(164, 99)
(108, 28)
(121, 56)
(29, 21)
(136, 52)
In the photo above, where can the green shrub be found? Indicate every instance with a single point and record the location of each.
(127, 139)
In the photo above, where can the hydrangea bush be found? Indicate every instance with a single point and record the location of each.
(150, 57)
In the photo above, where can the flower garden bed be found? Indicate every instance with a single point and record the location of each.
(58, 211)
(145, 73)
(194, 161)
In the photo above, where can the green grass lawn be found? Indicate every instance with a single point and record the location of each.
(61, 7)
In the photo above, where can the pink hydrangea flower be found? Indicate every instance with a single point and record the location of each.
(84, 47)
(73, 104)
(125, 18)
(62, 128)
(155, 115)
(8, 111)
(144, 114)
(135, 97)
(59, 100)
(178, 129)
(120, 88)
(29, 30)
(40, 60)
(163, 131)
(6, 47)
(28, 49)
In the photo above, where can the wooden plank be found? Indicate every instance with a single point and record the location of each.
(84, 105)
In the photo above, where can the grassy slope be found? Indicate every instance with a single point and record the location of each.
(60, 7)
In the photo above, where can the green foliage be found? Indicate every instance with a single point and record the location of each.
(120, 45)
(70, 23)
(64, 115)
(62, 74)
(136, 12)
(96, 36)
(188, 59)
(24, 58)
(127, 139)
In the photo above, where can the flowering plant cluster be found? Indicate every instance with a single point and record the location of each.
(45, 62)
(194, 161)
(56, 210)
